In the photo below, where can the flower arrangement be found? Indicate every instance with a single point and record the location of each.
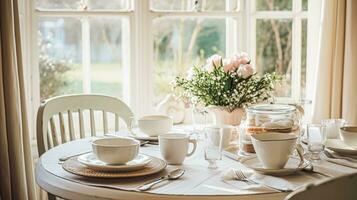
(229, 82)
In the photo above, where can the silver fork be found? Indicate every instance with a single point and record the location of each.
(242, 177)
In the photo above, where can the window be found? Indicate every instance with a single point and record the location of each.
(132, 49)
(279, 44)
(81, 46)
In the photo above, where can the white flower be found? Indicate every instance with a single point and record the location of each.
(208, 67)
(190, 74)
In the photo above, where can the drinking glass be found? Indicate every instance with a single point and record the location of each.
(304, 120)
(316, 137)
(333, 127)
(213, 146)
(199, 119)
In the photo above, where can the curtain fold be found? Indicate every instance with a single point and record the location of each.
(336, 90)
(16, 171)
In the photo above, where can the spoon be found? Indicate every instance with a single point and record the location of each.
(310, 168)
(173, 175)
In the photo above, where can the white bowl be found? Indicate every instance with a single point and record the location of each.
(116, 150)
(154, 125)
(273, 149)
(349, 135)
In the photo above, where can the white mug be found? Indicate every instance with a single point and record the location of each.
(174, 147)
(214, 133)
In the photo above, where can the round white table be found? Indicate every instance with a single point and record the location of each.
(198, 182)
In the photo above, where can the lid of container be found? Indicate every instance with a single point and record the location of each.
(271, 109)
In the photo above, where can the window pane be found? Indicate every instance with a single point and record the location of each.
(181, 43)
(60, 54)
(303, 58)
(83, 5)
(273, 51)
(304, 4)
(180, 5)
(274, 4)
(58, 4)
(106, 56)
(109, 4)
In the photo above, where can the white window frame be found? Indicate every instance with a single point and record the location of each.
(297, 14)
(138, 78)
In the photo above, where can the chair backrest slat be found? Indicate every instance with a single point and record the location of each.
(53, 132)
(71, 126)
(116, 122)
(81, 123)
(62, 128)
(105, 122)
(92, 123)
(48, 135)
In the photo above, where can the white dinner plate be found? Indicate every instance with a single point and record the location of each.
(338, 146)
(292, 166)
(92, 162)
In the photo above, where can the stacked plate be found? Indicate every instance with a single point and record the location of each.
(338, 146)
(114, 157)
(92, 162)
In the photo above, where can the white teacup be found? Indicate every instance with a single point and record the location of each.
(273, 149)
(349, 135)
(214, 133)
(174, 147)
(154, 125)
(115, 150)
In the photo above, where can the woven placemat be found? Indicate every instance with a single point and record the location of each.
(73, 166)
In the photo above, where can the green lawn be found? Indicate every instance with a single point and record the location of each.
(106, 78)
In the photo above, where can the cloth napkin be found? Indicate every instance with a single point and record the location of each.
(262, 181)
(338, 159)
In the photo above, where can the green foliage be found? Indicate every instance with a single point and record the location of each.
(52, 72)
(226, 89)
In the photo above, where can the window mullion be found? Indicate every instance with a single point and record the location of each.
(296, 52)
(251, 26)
(86, 57)
(232, 38)
(143, 67)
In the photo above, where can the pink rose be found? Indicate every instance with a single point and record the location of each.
(246, 70)
(231, 64)
(228, 67)
(237, 62)
(216, 60)
(244, 58)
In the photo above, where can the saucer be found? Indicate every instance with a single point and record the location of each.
(92, 162)
(340, 147)
(291, 167)
(137, 134)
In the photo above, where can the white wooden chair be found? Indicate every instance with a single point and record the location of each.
(47, 136)
(344, 187)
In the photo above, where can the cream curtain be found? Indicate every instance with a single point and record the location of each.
(336, 90)
(16, 171)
